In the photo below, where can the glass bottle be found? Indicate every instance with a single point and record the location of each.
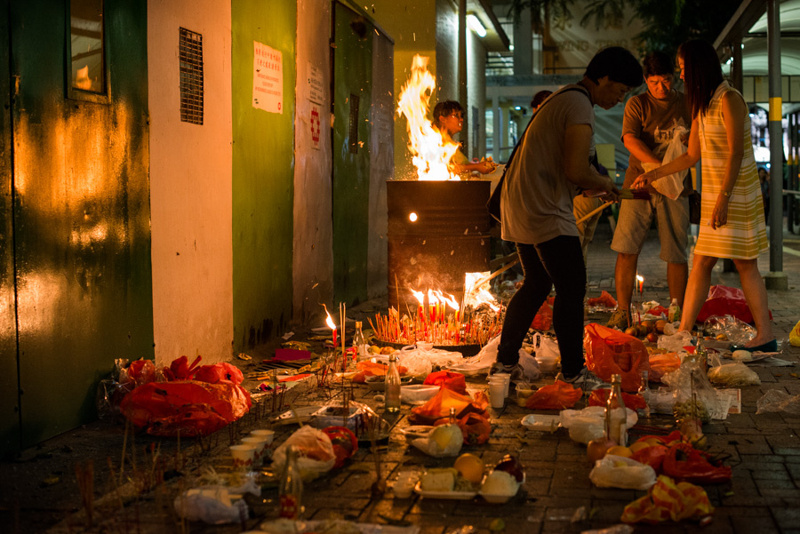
(392, 393)
(616, 424)
(674, 311)
(291, 487)
(701, 355)
(359, 343)
(644, 393)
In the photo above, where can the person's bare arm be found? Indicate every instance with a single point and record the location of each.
(638, 148)
(577, 142)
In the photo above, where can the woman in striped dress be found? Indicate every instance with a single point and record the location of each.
(732, 216)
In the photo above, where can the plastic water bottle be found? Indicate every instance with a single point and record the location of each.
(291, 487)
(392, 392)
(616, 424)
(674, 311)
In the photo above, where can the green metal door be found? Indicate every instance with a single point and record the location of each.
(351, 137)
(80, 209)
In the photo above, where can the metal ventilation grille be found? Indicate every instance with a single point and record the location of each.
(191, 61)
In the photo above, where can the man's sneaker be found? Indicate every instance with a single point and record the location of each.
(620, 319)
(585, 380)
(516, 372)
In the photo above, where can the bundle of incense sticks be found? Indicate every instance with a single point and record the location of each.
(436, 328)
(635, 194)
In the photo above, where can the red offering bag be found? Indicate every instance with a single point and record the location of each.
(652, 456)
(544, 317)
(598, 397)
(605, 299)
(344, 443)
(219, 372)
(611, 352)
(475, 427)
(447, 379)
(439, 406)
(724, 300)
(558, 396)
(684, 462)
(661, 364)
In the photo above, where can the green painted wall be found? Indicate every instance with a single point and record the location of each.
(81, 214)
(351, 146)
(263, 176)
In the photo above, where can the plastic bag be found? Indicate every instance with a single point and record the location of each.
(213, 504)
(444, 440)
(652, 456)
(315, 453)
(474, 426)
(667, 500)
(662, 364)
(188, 408)
(344, 443)
(692, 392)
(777, 401)
(672, 185)
(610, 352)
(554, 397)
(619, 472)
(605, 300)
(439, 406)
(219, 372)
(733, 375)
(734, 330)
(684, 462)
(794, 335)
(677, 342)
(723, 300)
(447, 379)
(544, 317)
(589, 423)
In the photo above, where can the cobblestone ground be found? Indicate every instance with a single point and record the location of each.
(764, 450)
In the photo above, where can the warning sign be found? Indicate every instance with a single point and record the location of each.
(315, 125)
(267, 78)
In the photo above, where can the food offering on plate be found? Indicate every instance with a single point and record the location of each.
(503, 482)
(445, 483)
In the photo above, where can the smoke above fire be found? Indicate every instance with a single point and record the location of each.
(430, 153)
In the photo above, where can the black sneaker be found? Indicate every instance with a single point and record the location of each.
(515, 370)
(585, 380)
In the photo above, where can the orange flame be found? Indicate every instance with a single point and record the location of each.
(430, 153)
(329, 321)
(420, 296)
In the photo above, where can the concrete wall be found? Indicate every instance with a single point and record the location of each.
(476, 96)
(190, 186)
(446, 51)
(313, 250)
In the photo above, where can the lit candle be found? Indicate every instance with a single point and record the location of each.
(331, 325)
(639, 284)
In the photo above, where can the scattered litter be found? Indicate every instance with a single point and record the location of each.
(734, 374)
(287, 336)
(777, 401)
(245, 357)
(616, 529)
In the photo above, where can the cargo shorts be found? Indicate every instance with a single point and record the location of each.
(672, 219)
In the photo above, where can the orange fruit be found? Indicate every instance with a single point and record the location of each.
(619, 450)
(639, 445)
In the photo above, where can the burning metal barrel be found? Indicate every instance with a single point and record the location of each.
(438, 231)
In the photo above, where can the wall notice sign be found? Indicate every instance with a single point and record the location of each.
(315, 89)
(267, 78)
(315, 126)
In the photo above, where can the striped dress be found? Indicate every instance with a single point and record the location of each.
(745, 234)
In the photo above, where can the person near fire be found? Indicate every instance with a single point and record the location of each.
(651, 120)
(448, 119)
(550, 167)
(732, 213)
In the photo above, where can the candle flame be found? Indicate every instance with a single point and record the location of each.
(329, 321)
(640, 279)
(432, 298)
(430, 152)
(420, 296)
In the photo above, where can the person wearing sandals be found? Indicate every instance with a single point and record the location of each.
(732, 216)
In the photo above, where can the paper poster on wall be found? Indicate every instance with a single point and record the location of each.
(315, 125)
(267, 78)
(315, 89)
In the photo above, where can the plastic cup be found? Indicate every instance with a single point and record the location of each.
(505, 379)
(243, 456)
(261, 445)
(265, 433)
(403, 486)
(497, 396)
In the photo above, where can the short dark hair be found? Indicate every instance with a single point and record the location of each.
(445, 109)
(540, 97)
(618, 64)
(702, 74)
(657, 64)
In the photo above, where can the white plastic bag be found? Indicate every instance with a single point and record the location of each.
(777, 401)
(619, 472)
(671, 186)
(676, 342)
(315, 450)
(589, 423)
(733, 375)
(213, 505)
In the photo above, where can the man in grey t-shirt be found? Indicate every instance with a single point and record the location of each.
(651, 121)
(550, 167)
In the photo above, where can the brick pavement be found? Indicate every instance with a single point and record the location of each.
(763, 497)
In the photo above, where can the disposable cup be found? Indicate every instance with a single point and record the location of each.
(265, 433)
(497, 394)
(504, 379)
(261, 445)
(243, 456)
(406, 480)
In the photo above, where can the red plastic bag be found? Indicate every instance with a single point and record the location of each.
(598, 397)
(558, 396)
(684, 462)
(344, 443)
(661, 364)
(188, 407)
(142, 371)
(544, 317)
(610, 352)
(180, 369)
(605, 299)
(474, 426)
(219, 372)
(447, 379)
(439, 406)
(652, 456)
(724, 300)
